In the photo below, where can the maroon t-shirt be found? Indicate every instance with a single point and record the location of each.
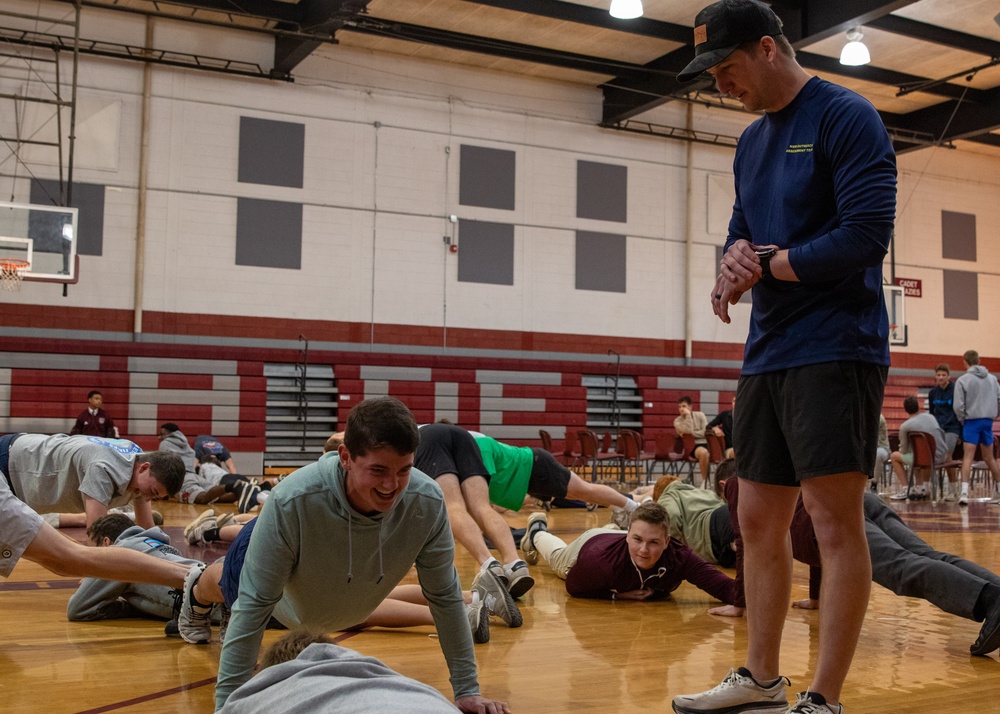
(604, 567)
(805, 548)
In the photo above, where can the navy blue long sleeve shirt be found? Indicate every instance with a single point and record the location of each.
(818, 178)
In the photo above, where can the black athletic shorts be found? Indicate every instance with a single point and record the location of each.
(815, 420)
(449, 449)
(720, 527)
(549, 478)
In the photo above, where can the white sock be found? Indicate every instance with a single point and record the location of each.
(488, 562)
(965, 488)
(262, 496)
(630, 505)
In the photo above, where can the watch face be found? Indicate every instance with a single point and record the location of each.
(765, 252)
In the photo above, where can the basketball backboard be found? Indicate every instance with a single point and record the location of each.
(45, 236)
(895, 304)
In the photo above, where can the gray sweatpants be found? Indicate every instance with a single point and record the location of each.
(905, 564)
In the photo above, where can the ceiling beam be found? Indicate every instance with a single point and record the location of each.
(317, 17)
(262, 9)
(593, 17)
(499, 48)
(954, 119)
(939, 35)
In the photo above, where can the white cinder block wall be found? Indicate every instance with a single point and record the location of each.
(382, 141)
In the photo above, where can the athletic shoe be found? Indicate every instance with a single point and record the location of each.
(497, 569)
(951, 493)
(495, 597)
(479, 619)
(519, 580)
(248, 497)
(225, 519)
(196, 529)
(224, 622)
(989, 635)
(813, 703)
(157, 518)
(963, 500)
(537, 521)
(739, 693)
(900, 495)
(919, 493)
(620, 517)
(194, 621)
(592, 506)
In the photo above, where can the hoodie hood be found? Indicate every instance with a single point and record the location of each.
(979, 370)
(178, 444)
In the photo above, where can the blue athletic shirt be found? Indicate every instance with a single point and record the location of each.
(818, 178)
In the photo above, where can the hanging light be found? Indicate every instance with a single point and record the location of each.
(854, 53)
(626, 9)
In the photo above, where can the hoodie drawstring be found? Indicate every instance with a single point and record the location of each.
(350, 547)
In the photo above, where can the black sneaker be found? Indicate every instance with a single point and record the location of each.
(989, 634)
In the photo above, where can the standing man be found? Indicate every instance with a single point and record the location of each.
(941, 406)
(977, 403)
(94, 421)
(336, 538)
(815, 204)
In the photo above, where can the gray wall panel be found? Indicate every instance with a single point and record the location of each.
(961, 295)
(182, 366)
(30, 360)
(601, 262)
(486, 253)
(958, 235)
(694, 385)
(268, 233)
(403, 374)
(601, 191)
(486, 177)
(496, 376)
(271, 152)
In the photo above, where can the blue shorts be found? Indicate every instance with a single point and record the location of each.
(978, 431)
(232, 566)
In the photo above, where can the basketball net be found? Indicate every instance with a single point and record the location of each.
(11, 273)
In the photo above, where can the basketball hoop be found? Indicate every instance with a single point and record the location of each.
(11, 273)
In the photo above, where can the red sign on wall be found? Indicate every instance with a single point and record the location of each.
(911, 287)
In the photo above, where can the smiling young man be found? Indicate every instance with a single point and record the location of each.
(815, 180)
(644, 563)
(333, 541)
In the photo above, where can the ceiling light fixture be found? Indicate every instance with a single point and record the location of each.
(854, 53)
(626, 9)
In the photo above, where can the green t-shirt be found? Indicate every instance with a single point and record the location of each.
(510, 471)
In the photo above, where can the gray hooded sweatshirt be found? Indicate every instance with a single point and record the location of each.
(977, 395)
(315, 561)
(330, 678)
(178, 444)
(98, 599)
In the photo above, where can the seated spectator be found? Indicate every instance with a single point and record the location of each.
(901, 562)
(903, 459)
(722, 426)
(882, 451)
(694, 423)
(305, 671)
(644, 563)
(94, 421)
(205, 444)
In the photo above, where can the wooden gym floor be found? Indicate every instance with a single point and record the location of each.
(570, 655)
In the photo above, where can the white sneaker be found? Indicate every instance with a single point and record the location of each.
(739, 693)
(900, 495)
(479, 619)
(494, 596)
(812, 703)
(963, 500)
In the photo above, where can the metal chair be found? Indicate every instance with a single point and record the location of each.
(591, 453)
(924, 450)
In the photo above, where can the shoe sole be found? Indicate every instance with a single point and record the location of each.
(990, 643)
(190, 593)
(202, 517)
(756, 708)
(482, 634)
(520, 585)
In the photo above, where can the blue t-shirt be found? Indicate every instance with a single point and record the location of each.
(206, 444)
(817, 178)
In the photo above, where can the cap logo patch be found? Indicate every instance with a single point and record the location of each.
(701, 34)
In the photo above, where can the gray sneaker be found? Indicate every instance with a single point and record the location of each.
(495, 597)
(620, 517)
(538, 521)
(479, 619)
(196, 529)
(519, 580)
(739, 693)
(813, 703)
(194, 621)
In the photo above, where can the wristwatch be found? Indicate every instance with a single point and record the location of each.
(764, 255)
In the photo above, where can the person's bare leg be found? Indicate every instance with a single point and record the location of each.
(414, 594)
(765, 513)
(68, 558)
(215, 494)
(581, 490)
(835, 505)
(701, 453)
(899, 468)
(968, 454)
(72, 520)
(207, 590)
(227, 534)
(397, 613)
(991, 463)
(476, 492)
(463, 527)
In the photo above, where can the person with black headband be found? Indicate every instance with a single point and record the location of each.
(815, 205)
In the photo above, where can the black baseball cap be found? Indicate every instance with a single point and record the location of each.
(722, 27)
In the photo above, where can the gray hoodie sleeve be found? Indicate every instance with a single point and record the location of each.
(959, 405)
